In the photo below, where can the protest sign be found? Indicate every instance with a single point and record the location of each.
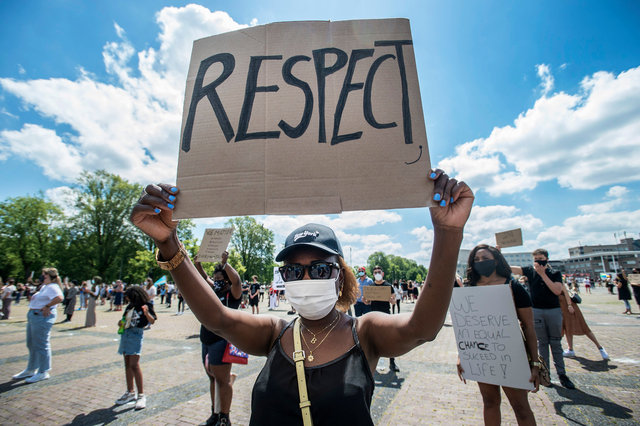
(278, 283)
(376, 292)
(214, 242)
(303, 117)
(512, 238)
(488, 336)
(634, 279)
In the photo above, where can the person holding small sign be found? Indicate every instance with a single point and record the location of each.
(335, 354)
(383, 306)
(487, 266)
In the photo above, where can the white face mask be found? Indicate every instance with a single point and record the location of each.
(378, 277)
(312, 299)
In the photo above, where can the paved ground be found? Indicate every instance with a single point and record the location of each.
(88, 376)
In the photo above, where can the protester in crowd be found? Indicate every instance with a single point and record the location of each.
(92, 298)
(110, 296)
(180, 303)
(118, 292)
(163, 293)
(170, 290)
(361, 306)
(573, 324)
(262, 292)
(254, 295)
(416, 290)
(635, 285)
(405, 290)
(83, 291)
(317, 280)
(545, 285)
(40, 319)
(410, 294)
(150, 288)
(227, 286)
(138, 313)
(487, 266)
(624, 293)
(397, 292)
(70, 299)
(7, 297)
(610, 285)
(383, 306)
(587, 285)
(245, 295)
(28, 289)
(274, 300)
(103, 293)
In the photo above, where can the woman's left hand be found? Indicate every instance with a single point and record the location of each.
(46, 311)
(145, 309)
(455, 199)
(535, 379)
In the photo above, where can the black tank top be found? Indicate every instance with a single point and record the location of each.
(340, 391)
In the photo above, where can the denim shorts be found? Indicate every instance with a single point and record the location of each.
(131, 341)
(215, 351)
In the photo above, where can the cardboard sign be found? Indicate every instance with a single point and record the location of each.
(278, 283)
(488, 336)
(303, 117)
(376, 292)
(214, 242)
(511, 238)
(634, 279)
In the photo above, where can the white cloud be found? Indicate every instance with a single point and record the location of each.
(64, 197)
(546, 79)
(563, 137)
(129, 125)
(21, 70)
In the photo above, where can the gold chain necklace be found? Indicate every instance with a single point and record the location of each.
(314, 339)
(310, 357)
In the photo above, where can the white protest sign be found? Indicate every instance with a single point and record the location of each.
(278, 283)
(488, 337)
(214, 242)
(303, 117)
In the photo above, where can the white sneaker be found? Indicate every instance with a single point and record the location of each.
(569, 353)
(126, 397)
(141, 403)
(37, 377)
(382, 365)
(24, 374)
(605, 355)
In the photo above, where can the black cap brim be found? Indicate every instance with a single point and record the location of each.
(285, 251)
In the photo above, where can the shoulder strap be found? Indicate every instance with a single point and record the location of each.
(298, 357)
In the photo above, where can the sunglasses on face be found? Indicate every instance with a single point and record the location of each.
(317, 270)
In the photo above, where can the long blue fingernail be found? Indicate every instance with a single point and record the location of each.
(170, 205)
(432, 175)
(174, 189)
(437, 197)
(172, 197)
(157, 210)
(451, 200)
(443, 203)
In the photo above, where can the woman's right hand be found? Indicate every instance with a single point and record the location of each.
(460, 371)
(570, 309)
(153, 212)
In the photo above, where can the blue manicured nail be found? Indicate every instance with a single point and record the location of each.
(172, 197)
(443, 203)
(437, 197)
(451, 200)
(170, 205)
(174, 189)
(432, 175)
(157, 210)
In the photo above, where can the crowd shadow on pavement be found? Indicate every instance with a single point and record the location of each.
(591, 365)
(388, 380)
(577, 398)
(100, 416)
(11, 385)
(66, 330)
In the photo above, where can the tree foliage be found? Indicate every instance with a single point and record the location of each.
(253, 244)
(396, 267)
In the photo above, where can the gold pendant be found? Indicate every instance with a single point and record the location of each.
(313, 340)
(310, 358)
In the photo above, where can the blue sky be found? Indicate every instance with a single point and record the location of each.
(536, 106)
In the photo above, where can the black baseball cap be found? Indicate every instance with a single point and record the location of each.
(311, 235)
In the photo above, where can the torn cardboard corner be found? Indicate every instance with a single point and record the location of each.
(512, 238)
(303, 117)
(214, 242)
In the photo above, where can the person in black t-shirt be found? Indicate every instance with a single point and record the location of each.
(545, 285)
(254, 295)
(383, 306)
(487, 266)
(227, 286)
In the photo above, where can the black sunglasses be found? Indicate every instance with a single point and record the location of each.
(318, 270)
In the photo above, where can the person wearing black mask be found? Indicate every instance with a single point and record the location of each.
(545, 286)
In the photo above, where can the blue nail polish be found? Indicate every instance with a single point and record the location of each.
(437, 197)
(451, 200)
(174, 189)
(157, 210)
(443, 203)
(172, 197)
(432, 175)
(170, 205)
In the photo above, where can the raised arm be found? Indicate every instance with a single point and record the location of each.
(388, 336)
(252, 333)
(516, 270)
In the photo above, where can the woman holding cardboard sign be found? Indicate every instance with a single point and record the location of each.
(335, 355)
(487, 266)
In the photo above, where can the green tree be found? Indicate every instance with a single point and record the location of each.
(27, 233)
(378, 258)
(254, 246)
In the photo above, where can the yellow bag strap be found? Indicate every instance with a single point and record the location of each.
(298, 357)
